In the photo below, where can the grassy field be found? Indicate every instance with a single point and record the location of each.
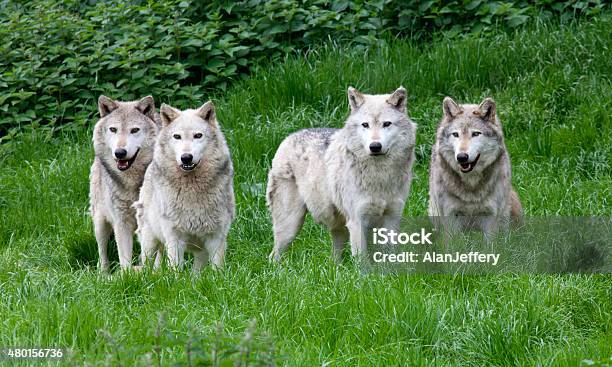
(554, 96)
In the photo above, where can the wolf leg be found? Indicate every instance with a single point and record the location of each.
(200, 260)
(340, 236)
(124, 236)
(215, 247)
(392, 221)
(490, 227)
(175, 250)
(436, 215)
(450, 226)
(148, 247)
(392, 216)
(159, 257)
(357, 233)
(102, 230)
(288, 212)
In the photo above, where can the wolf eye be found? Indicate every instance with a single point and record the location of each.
(366, 125)
(197, 136)
(176, 136)
(476, 133)
(456, 135)
(386, 123)
(112, 129)
(134, 130)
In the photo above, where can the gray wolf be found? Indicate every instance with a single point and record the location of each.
(469, 176)
(187, 199)
(123, 141)
(349, 179)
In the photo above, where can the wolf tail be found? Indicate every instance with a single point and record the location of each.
(280, 173)
(516, 210)
(270, 189)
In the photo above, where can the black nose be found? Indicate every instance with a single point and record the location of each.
(186, 158)
(462, 157)
(375, 147)
(120, 153)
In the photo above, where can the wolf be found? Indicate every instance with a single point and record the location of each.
(470, 173)
(123, 141)
(349, 179)
(187, 198)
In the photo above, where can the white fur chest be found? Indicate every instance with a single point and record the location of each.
(193, 210)
(368, 188)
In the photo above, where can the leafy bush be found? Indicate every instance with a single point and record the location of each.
(58, 56)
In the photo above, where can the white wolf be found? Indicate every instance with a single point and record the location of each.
(349, 179)
(187, 198)
(123, 142)
(469, 183)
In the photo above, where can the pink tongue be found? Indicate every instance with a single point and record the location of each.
(122, 164)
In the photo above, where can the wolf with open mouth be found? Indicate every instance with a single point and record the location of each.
(123, 141)
(470, 174)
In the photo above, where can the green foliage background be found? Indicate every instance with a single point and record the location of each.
(56, 57)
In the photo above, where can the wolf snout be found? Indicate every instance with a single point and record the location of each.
(186, 158)
(120, 153)
(462, 157)
(375, 147)
(187, 163)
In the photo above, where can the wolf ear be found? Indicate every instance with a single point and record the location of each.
(207, 113)
(355, 98)
(451, 108)
(168, 114)
(106, 105)
(486, 110)
(398, 99)
(146, 106)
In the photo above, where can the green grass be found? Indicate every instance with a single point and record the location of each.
(554, 97)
